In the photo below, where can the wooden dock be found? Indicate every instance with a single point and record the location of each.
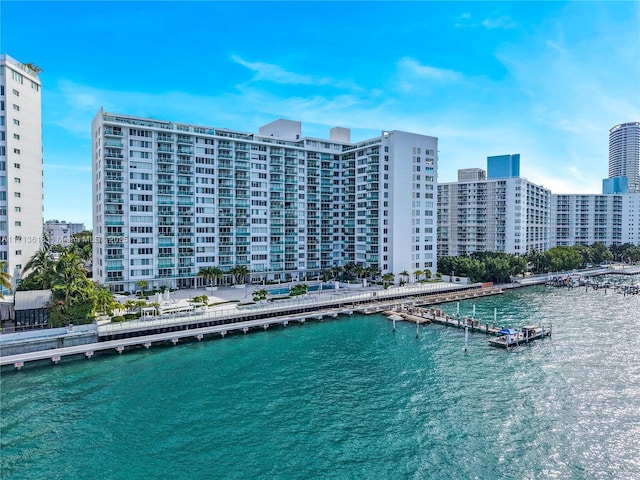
(498, 338)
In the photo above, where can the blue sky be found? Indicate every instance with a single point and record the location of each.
(543, 79)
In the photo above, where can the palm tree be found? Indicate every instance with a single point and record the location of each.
(239, 272)
(5, 278)
(104, 298)
(405, 275)
(218, 274)
(336, 271)
(388, 279)
(260, 295)
(70, 277)
(142, 285)
(42, 266)
(418, 274)
(206, 273)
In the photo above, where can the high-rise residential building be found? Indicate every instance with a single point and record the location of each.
(624, 154)
(503, 166)
(20, 164)
(171, 198)
(585, 219)
(509, 215)
(59, 233)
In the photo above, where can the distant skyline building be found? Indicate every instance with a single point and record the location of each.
(20, 164)
(615, 185)
(503, 166)
(172, 198)
(624, 154)
(59, 232)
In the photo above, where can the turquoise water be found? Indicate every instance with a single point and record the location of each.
(346, 398)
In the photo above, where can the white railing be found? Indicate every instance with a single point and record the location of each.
(279, 307)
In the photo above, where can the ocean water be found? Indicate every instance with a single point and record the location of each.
(346, 399)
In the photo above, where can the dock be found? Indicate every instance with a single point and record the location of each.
(506, 338)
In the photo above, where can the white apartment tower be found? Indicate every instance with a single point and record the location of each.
(170, 199)
(578, 219)
(509, 215)
(20, 164)
(624, 154)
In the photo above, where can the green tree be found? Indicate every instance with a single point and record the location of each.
(41, 269)
(417, 274)
(563, 258)
(299, 289)
(5, 278)
(207, 274)
(388, 279)
(104, 299)
(239, 273)
(142, 285)
(260, 295)
(336, 271)
(405, 275)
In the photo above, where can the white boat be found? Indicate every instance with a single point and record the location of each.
(508, 337)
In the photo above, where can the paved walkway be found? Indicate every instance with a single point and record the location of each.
(244, 294)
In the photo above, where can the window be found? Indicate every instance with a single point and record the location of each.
(16, 121)
(16, 107)
(16, 194)
(18, 252)
(17, 77)
(16, 165)
(17, 209)
(16, 136)
(16, 180)
(16, 151)
(16, 92)
(18, 223)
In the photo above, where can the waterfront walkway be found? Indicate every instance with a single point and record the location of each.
(145, 332)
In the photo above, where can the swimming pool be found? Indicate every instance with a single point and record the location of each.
(285, 291)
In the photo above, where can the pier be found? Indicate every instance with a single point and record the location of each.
(506, 337)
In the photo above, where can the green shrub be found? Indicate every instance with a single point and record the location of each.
(119, 318)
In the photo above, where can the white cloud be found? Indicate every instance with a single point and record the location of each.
(275, 73)
(503, 21)
(412, 70)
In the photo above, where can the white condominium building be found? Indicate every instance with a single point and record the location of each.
(508, 215)
(20, 164)
(578, 219)
(170, 199)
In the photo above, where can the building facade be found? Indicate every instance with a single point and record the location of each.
(503, 166)
(510, 215)
(579, 219)
(170, 199)
(59, 233)
(624, 154)
(20, 164)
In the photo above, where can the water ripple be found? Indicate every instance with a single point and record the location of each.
(347, 399)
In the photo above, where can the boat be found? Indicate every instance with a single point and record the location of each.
(508, 337)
